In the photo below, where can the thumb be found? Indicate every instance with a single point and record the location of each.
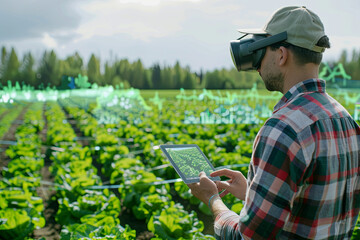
(202, 174)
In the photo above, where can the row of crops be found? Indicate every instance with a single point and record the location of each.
(110, 181)
(21, 207)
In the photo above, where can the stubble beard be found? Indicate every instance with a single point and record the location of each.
(274, 81)
(272, 77)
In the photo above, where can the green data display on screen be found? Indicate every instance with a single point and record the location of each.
(188, 161)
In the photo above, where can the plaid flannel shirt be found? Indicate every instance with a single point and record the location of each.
(303, 179)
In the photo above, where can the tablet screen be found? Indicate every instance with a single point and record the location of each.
(188, 161)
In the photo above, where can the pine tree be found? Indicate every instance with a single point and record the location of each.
(147, 83)
(49, 70)
(75, 65)
(213, 80)
(109, 74)
(11, 69)
(189, 80)
(178, 76)
(156, 76)
(167, 78)
(137, 76)
(93, 70)
(27, 72)
(123, 69)
(2, 63)
(3, 55)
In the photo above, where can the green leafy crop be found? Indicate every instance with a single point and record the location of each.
(174, 222)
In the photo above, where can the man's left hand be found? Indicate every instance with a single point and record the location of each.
(204, 189)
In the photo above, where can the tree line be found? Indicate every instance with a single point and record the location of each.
(351, 63)
(50, 70)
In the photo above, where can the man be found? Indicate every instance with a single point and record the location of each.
(303, 180)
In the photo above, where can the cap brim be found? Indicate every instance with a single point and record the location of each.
(252, 31)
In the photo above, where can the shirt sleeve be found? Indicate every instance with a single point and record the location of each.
(277, 167)
(227, 226)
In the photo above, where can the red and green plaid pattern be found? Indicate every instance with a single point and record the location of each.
(303, 180)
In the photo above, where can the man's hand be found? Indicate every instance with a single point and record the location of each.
(204, 189)
(236, 185)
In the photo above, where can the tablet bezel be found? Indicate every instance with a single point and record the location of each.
(183, 177)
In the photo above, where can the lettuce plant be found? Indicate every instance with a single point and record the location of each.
(173, 222)
(89, 232)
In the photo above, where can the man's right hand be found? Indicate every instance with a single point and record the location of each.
(236, 185)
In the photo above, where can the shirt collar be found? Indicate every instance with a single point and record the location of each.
(307, 86)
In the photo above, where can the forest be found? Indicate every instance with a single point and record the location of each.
(51, 71)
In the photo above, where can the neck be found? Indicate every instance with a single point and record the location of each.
(297, 74)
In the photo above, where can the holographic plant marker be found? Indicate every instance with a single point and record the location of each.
(157, 101)
(329, 74)
(206, 117)
(82, 82)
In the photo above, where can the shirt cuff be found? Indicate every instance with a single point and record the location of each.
(225, 219)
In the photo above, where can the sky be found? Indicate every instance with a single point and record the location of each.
(194, 32)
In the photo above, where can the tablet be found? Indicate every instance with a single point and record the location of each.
(188, 161)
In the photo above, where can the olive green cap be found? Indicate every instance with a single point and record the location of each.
(304, 28)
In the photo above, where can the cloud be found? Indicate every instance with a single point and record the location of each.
(150, 19)
(153, 2)
(195, 32)
(49, 41)
(31, 19)
(138, 19)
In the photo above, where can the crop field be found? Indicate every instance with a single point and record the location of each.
(86, 164)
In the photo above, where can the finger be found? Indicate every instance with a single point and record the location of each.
(223, 184)
(203, 177)
(191, 185)
(224, 172)
(202, 174)
(218, 187)
(223, 193)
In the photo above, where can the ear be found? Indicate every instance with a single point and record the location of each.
(283, 55)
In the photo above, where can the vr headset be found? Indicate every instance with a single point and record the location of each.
(248, 53)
